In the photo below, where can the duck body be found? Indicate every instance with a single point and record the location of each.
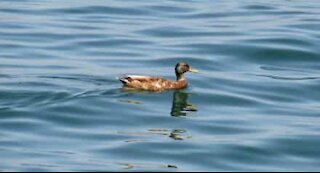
(150, 83)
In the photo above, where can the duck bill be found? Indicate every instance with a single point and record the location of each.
(192, 70)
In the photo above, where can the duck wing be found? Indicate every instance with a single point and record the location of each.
(143, 82)
(130, 78)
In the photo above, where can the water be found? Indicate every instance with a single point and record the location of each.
(254, 106)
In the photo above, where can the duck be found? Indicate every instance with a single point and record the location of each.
(150, 83)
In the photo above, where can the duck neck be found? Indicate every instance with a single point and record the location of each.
(180, 77)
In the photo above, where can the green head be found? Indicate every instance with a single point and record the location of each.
(183, 67)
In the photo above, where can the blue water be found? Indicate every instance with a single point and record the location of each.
(254, 106)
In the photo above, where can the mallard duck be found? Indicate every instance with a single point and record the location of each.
(156, 83)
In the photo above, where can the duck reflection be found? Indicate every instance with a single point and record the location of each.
(180, 104)
(178, 134)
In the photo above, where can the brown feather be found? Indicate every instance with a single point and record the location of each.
(152, 83)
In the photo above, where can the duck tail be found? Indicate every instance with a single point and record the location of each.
(124, 79)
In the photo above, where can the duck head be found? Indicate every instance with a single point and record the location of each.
(183, 67)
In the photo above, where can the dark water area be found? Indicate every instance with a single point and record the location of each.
(254, 106)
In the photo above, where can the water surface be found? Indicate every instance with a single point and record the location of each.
(254, 106)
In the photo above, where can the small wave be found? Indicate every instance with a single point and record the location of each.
(287, 78)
